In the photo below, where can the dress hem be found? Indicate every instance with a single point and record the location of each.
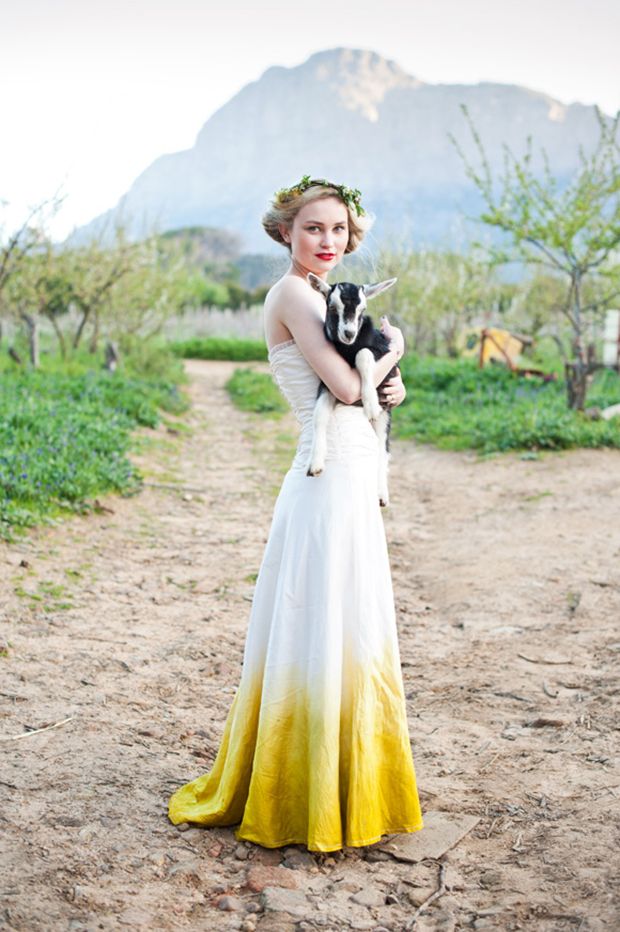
(337, 847)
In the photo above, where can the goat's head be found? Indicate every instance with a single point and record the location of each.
(346, 305)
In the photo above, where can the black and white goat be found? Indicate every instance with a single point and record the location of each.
(358, 341)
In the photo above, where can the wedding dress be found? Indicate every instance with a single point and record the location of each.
(315, 748)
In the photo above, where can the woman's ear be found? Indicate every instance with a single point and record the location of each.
(284, 232)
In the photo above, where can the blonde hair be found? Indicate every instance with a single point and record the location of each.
(286, 212)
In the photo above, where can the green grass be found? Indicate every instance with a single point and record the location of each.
(65, 431)
(221, 348)
(255, 391)
(456, 406)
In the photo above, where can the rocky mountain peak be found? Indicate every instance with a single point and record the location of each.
(358, 78)
(351, 114)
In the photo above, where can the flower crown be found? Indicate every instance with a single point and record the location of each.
(350, 196)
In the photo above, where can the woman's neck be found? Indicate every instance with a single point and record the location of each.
(296, 268)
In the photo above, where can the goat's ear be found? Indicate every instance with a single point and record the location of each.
(319, 285)
(371, 291)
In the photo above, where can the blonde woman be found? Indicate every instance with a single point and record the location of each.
(315, 749)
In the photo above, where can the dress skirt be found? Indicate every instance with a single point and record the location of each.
(315, 748)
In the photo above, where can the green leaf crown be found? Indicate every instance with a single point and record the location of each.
(350, 196)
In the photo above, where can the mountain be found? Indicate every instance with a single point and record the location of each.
(357, 118)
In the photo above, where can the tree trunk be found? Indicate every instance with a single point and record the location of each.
(80, 329)
(59, 334)
(577, 370)
(94, 340)
(33, 337)
(450, 340)
(576, 384)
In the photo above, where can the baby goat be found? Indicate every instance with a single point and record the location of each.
(360, 343)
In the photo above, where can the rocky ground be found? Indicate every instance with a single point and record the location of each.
(125, 630)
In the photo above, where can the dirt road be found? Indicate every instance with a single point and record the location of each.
(127, 629)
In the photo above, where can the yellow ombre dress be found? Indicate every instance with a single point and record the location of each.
(315, 749)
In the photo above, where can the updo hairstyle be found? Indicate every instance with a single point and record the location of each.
(286, 212)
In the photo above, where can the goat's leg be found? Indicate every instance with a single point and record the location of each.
(365, 365)
(323, 409)
(382, 429)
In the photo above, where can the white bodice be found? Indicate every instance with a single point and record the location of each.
(349, 435)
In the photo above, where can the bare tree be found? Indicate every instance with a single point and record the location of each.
(26, 238)
(16, 248)
(574, 231)
(96, 270)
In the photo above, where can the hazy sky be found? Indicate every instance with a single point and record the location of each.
(94, 90)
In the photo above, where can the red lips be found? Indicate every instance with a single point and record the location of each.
(326, 255)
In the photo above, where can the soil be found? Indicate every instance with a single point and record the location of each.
(126, 630)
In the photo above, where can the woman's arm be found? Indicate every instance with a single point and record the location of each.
(303, 320)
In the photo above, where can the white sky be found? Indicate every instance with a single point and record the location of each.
(94, 90)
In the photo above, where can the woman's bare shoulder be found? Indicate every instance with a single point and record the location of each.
(290, 286)
(282, 304)
(288, 296)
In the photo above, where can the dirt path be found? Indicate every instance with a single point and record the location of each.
(132, 624)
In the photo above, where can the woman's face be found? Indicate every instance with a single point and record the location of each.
(319, 235)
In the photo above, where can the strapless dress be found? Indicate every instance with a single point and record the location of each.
(315, 748)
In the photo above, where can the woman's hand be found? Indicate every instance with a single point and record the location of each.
(394, 335)
(393, 392)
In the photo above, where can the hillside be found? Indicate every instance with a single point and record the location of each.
(356, 117)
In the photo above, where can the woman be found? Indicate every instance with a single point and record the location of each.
(315, 748)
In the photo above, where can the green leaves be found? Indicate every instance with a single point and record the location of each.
(350, 196)
(64, 439)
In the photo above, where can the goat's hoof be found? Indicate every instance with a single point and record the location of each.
(314, 471)
(384, 501)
